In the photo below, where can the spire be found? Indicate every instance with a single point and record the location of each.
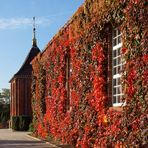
(34, 41)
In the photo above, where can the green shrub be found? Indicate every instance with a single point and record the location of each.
(31, 127)
(21, 123)
(24, 122)
(4, 113)
(15, 123)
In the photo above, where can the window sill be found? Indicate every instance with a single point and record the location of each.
(116, 108)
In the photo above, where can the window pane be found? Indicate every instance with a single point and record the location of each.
(119, 39)
(114, 71)
(114, 91)
(114, 53)
(118, 81)
(119, 90)
(115, 62)
(114, 82)
(114, 34)
(119, 51)
(118, 61)
(115, 42)
(114, 99)
(117, 67)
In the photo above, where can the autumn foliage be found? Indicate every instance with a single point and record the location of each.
(89, 121)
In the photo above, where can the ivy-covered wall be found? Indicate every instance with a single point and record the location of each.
(90, 122)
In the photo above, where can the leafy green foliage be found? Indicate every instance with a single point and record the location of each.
(4, 108)
(4, 115)
(21, 123)
(24, 122)
(15, 123)
(5, 94)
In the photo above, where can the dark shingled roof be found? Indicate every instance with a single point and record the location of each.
(26, 68)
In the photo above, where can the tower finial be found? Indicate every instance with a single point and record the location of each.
(34, 42)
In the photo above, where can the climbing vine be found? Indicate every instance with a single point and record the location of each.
(89, 121)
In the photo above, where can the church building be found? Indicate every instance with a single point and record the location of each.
(20, 104)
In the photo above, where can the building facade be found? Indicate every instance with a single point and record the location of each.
(89, 86)
(90, 82)
(20, 102)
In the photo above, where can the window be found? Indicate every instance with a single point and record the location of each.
(117, 66)
(68, 71)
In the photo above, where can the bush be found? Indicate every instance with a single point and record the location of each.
(15, 123)
(24, 122)
(31, 127)
(21, 123)
(4, 113)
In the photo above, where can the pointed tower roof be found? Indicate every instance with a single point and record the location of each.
(26, 68)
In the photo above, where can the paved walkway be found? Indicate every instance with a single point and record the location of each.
(10, 139)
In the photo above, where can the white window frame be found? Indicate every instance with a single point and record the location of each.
(117, 62)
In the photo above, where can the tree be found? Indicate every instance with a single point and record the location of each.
(4, 107)
(5, 95)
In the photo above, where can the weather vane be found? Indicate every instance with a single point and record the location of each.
(34, 38)
(34, 25)
(34, 22)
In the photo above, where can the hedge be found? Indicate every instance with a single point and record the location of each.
(21, 123)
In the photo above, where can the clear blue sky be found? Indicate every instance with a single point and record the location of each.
(16, 29)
